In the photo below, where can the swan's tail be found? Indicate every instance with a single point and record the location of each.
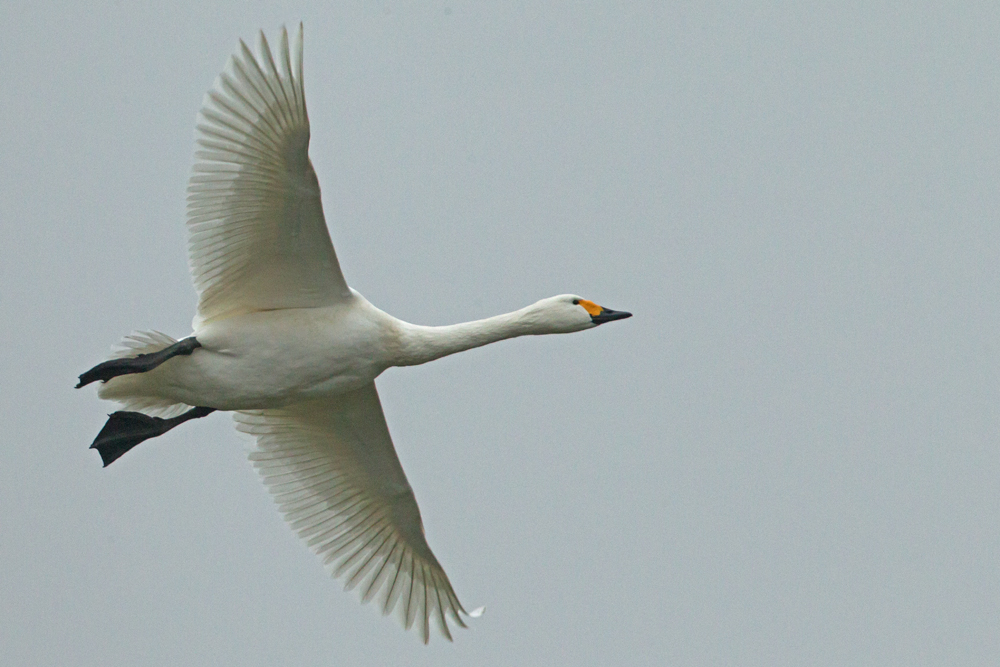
(131, 390)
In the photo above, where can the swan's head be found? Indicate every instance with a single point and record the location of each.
(568, 312)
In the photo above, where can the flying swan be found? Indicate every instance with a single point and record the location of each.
(281, 341)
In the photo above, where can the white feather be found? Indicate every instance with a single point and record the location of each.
(334, 473)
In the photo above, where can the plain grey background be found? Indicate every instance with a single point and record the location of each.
(789, 455)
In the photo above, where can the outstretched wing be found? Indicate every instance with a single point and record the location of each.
(334, 473)
(257, 236)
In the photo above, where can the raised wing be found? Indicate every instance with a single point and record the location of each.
(257, 236)
(334, 473)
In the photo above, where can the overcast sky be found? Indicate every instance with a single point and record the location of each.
(789, 456)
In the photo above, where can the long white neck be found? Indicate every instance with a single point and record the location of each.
(420, 344)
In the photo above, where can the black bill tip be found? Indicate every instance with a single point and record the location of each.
(608, 315)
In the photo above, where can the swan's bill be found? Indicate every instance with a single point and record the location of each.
(600, 314)
(608, 315)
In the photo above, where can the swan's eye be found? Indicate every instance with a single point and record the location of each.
(576, 302)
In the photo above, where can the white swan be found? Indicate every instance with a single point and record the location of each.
(280, 339)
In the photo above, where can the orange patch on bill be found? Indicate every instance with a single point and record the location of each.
(591, 307)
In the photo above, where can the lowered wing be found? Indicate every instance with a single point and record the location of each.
(333, 471)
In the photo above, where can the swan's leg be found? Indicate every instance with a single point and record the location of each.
(140, 364)
(125, 430)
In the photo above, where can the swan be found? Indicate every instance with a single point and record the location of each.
(283, 342)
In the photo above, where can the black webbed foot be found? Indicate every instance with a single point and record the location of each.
(139, 364)
(124, 430)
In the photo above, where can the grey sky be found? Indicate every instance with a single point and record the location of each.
(788, 456)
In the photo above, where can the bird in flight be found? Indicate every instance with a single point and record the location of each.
(281, 341)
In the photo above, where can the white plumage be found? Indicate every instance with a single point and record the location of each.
(294, 352)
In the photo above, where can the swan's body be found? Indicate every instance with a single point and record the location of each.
(273, 358)
(282, 341)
